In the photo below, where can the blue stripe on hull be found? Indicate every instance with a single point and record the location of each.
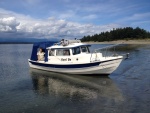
(66, 66)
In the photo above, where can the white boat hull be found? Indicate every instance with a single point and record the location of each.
(104, 67)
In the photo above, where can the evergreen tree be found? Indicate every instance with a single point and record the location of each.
(118, 34)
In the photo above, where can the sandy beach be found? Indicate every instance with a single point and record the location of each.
(143, 41)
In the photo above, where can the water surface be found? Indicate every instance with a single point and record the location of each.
(25, 90)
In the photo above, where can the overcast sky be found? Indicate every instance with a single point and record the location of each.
(70, 18)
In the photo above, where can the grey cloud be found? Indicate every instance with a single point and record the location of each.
(25, 27)
(8, 24)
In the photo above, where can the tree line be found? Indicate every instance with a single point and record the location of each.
(126, 33)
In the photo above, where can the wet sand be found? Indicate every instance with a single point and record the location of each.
(143, 41)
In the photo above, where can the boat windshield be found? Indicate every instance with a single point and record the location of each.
(85, 49)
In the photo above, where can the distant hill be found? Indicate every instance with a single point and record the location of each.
(24, 40)
(118, 34)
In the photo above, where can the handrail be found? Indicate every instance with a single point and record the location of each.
(106, 50)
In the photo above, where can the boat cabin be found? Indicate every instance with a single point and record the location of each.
(69, 52)
(64, 51)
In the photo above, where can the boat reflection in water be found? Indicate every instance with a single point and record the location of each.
(74, 86)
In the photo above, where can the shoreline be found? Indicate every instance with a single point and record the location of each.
(140, 41)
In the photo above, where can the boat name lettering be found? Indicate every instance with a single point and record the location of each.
(65, 59)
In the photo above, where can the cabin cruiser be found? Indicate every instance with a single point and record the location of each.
(74, 57)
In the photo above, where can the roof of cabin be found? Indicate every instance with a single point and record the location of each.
(72, 45)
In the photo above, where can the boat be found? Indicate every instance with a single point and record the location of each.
(74, 57)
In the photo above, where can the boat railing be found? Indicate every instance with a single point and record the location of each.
(64, 42)
(106, 51)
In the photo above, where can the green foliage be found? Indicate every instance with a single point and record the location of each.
(126, 33)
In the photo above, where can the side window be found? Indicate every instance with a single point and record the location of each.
(76, 51)
(51, 52)
(62, 52)
(84, 49)
(66, 52)
(59, 52)
(88, 49)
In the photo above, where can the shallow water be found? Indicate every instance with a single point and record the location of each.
(25, 90)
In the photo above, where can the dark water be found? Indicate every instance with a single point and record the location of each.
(25, 90)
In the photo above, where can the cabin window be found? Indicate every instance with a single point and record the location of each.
(88, 49)
(76, 51)
(85, 49)
(62, 52)
(51, 52)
